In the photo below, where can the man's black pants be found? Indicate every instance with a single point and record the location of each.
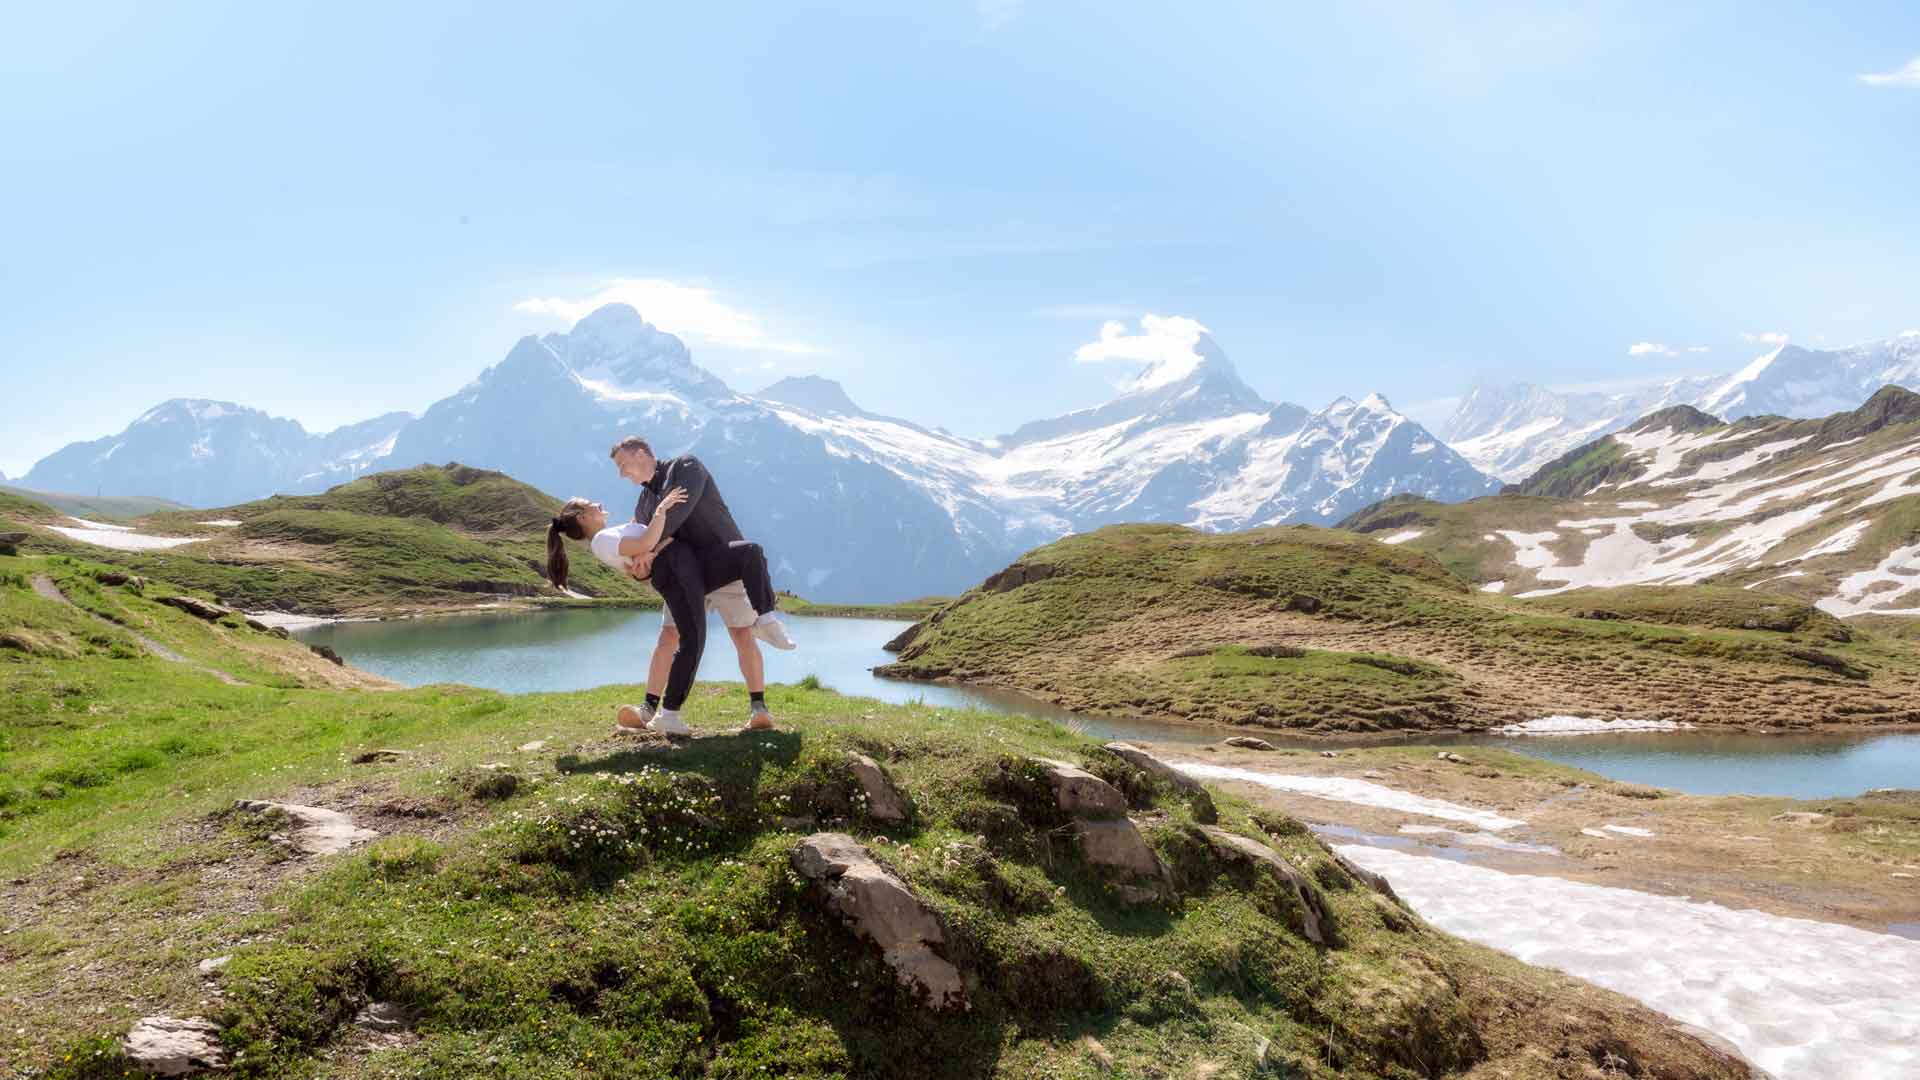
(681, 582)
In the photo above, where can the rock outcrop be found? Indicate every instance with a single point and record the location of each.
(1107, 836)
(196, 607)
(164, 1046)
(1080, 793)
(1197, 795)
(885, 804)
(1314, 920)
(1248, 742)
(878, 907)
(317, 831)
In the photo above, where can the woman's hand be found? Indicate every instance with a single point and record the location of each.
(671, 499)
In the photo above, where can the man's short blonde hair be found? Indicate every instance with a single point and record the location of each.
(629, 445)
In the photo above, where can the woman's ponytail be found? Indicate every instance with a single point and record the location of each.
(556, 555)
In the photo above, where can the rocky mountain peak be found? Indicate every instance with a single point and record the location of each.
(1678, 418)
(812, 393)
(615, 349)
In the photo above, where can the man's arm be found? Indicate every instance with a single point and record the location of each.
(686, 472)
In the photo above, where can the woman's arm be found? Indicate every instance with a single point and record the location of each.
(646, 542)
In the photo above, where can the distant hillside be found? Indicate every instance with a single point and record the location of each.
(1323, 630)
(426, 538)
(96, 507)
(1825, 510)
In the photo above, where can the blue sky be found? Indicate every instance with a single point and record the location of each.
(336, 210)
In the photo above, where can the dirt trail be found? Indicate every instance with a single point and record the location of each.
(48, 590)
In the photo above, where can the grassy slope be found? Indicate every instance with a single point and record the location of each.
(96, 507)
(412, 540)
(628, 913)
(1165, 621)
(905, 609)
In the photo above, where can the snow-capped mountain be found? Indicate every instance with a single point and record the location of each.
(851, 505)
(1820, 508)
(1512, 430)
(213, 453)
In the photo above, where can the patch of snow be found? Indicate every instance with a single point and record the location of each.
(1778, 577)
(121, 538)
(1582, 725)
(1596, 833)
(1358, 792)
(1664, 450)
(1627, 830)
(1720, 470)
(1494, 587)
(1403, 537)
(1868, 590)
(1839, 542)
(287, 621)
(222, 523)
(1803, 999)
(1480, 839)
(1638, 504)
(102, 525)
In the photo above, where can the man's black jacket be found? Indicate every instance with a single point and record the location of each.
(703, 520)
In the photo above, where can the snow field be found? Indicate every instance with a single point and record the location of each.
(1805, 1000)
(1359, 792)
(118, 537)
(1582, 725)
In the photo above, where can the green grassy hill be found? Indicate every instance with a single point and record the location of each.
(544, 900)
(1329, 631)
(421, 539)
(94, 507)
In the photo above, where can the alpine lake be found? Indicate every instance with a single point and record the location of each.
(523, 652)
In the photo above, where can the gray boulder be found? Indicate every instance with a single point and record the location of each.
(885, 804)
(164, 1046)
(318, 831)
(879, 908)
(1237, 848)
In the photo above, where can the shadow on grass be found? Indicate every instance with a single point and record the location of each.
(733, 759)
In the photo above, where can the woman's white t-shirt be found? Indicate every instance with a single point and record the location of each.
(606, 544)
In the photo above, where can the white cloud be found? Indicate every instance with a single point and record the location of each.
(996, 14)
(1649, 348)
(1169, 346)
(692, 311)
(1766, 337)
(1906, 76)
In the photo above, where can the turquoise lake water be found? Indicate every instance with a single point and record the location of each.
(522, 652)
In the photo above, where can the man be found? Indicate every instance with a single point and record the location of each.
(700, 544)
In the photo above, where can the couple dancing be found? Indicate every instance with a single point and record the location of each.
(682, 538)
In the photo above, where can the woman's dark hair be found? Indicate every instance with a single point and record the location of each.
(565, 523)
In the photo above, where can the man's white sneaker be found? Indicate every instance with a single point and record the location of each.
(770, 629)
(668, 722)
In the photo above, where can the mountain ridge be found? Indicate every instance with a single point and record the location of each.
(852, 505)
(1510, 430)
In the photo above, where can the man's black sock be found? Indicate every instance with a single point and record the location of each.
(757, 697)
(653, 701)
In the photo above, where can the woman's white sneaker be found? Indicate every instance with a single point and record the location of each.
(770, 629)
(668, 722)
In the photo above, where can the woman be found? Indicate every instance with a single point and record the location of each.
(584, 519)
